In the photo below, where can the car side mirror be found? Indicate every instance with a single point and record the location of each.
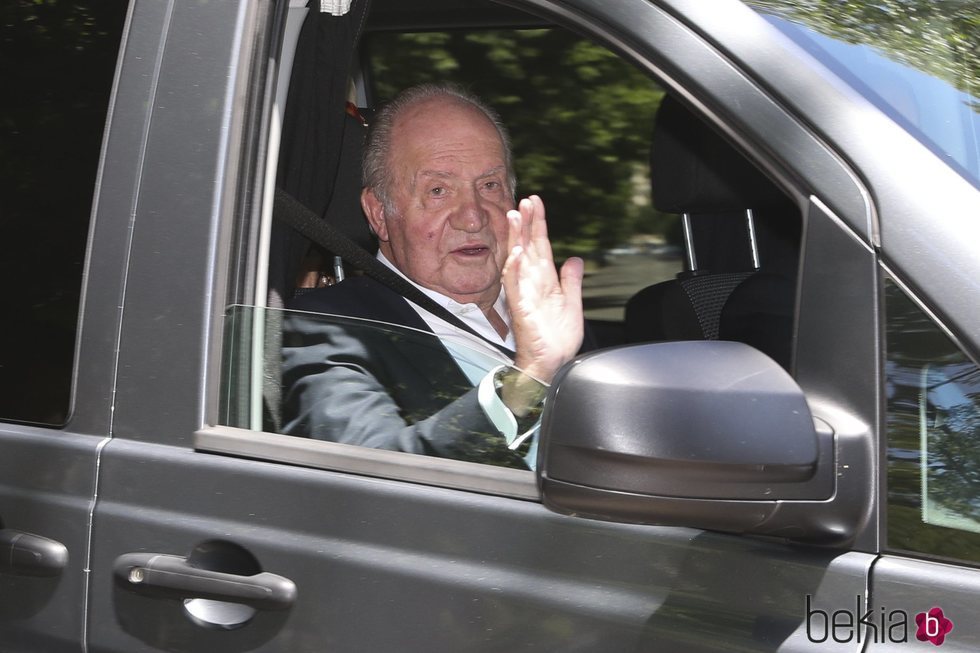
(709, 434)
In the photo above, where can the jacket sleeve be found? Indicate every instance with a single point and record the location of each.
(357, 383)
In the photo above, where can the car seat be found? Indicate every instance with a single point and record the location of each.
(741, 240)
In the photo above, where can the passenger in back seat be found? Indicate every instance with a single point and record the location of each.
(439, 194)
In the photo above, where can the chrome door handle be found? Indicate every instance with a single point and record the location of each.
(170, 576)
(24, 554)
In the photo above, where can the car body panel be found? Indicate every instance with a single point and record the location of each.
(904, 588)
(388, 565)
(47, 489)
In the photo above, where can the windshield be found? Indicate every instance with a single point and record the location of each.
(917, 60)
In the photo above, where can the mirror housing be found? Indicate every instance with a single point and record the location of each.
(708, 434)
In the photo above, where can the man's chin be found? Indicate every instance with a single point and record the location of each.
(474, 292)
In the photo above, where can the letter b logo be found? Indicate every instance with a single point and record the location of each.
(933, 626)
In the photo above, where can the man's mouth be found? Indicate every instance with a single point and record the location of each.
(471, 250)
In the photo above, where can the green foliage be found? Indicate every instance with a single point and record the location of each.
(580, 119)
(939, 38)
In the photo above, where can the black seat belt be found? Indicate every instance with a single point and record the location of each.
(302, 219)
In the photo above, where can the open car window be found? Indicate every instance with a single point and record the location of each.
(611, 153)
(373, 384)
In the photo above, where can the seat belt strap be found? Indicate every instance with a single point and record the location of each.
(309, 224)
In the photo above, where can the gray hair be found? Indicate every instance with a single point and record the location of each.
(375, 169)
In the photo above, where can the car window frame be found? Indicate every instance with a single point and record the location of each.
(697, 74)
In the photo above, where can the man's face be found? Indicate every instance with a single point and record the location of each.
(448, 230)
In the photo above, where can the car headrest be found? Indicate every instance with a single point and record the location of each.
(694, 170)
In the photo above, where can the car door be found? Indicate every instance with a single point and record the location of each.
(924, 585)
(59, 63)
(212, 534)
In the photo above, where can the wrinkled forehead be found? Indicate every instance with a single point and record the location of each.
(443, 127)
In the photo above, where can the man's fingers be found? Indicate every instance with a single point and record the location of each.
(514, 226)
(512, 257)
(521, 223)
(539, 227)
(572, 272)
(535, 229)
(527, 220)
(514, 249)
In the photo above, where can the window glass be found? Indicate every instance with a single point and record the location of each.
(580, 118)
(933, 421)
(917, 60)
(57, 60)
(373, 384)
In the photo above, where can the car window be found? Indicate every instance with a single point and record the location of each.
(917, 61)
(57, 61)
(933, 422)
(585, 129)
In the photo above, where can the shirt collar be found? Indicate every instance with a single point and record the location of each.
(469, 312)
(449, 303)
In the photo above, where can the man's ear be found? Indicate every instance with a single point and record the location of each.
(375, 212)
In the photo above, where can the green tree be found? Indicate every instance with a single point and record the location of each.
(939, 38)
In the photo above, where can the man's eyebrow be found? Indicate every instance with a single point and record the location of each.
(496, 170)
(442, 174)
(445, 174)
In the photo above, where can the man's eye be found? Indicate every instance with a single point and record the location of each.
(438, 191)
(492, 185)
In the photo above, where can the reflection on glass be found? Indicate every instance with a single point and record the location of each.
(917, 60)
(377, 385)
(948, 428)
(933, 419)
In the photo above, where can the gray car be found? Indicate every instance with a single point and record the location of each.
(775, 445)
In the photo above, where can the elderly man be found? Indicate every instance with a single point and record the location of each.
(439, 194)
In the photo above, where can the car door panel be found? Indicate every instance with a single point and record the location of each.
(904, 588)
(47, 482)
(388, 565)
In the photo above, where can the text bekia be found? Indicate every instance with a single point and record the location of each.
(877, 626)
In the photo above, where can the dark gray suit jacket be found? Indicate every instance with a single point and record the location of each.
(346, 380)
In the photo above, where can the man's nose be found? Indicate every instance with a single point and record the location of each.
(471, 214)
